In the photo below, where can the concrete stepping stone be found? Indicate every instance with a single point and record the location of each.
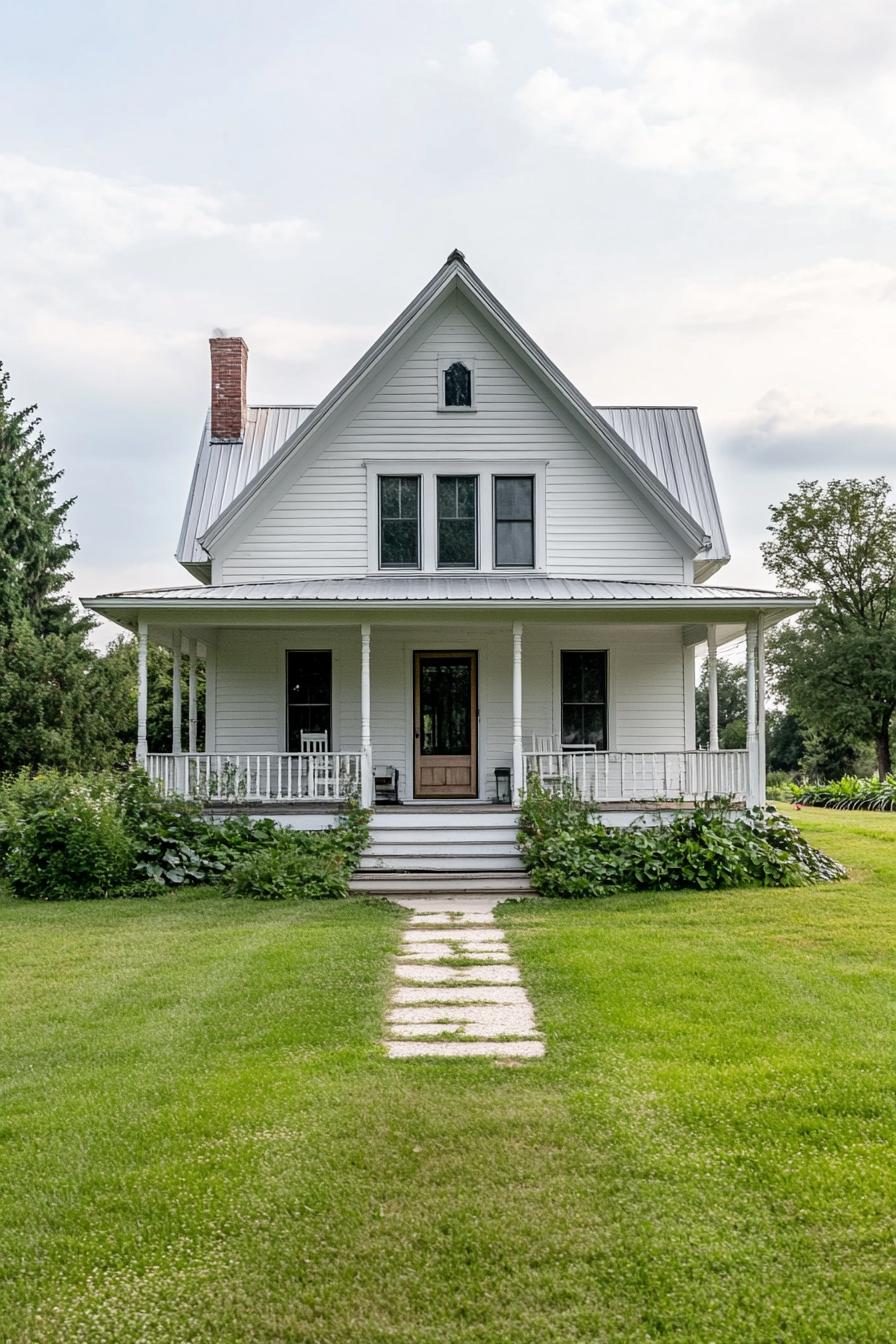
(455, 935)
(440, 1010)
(441, 951)
(454, 994)
(453, 919)
(489, 1020)
(459, 1049)
(479, 975)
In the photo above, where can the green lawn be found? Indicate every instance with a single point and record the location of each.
(200, 1141)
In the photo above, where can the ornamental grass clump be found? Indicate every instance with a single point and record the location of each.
(849, 793)
(63, 838)
(568, 853)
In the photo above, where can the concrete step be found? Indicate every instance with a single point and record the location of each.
(424, 863)
(435, 817)
(443, 835)
(501, 885)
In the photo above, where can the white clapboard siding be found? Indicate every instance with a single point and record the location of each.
(318, 525)
(647, 692)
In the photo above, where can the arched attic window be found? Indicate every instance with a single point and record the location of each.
(457, 384)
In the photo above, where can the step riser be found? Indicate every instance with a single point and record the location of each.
(443, 836)
(428, 884)
(439, 866)
(496, 848)
(409, 818)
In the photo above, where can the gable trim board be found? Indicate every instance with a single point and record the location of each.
(455, 276)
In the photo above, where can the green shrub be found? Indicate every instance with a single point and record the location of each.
(175, 844)
(569, 854)
(303, 865)
(850, 792)
(779, 786)
(64, 838)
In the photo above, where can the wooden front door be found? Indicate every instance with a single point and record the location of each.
(445, 725)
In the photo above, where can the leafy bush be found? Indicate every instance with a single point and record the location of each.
(569, 854)
(64, 838)
(175, 844)
(874, 795)
(71, 836)
(303, 865)
(779, 785)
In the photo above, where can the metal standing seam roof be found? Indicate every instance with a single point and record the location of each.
(469, 589)
(225, 466)
(667, 439)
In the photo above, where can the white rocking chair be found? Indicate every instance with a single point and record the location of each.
(316, 746)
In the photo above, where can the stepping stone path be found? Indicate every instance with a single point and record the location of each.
(440, 1010)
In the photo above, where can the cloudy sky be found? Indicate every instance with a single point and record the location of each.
(684, 201)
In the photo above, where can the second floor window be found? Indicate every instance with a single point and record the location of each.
(514, 522)
(400, 522)
(456, 498)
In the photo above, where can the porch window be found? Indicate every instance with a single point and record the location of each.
(309, 695)
(583, 677)
(514, 521)
(456, 496)
(399, 522)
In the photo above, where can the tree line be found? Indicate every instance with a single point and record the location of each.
(832, 670)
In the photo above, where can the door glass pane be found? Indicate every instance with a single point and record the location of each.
(308, 695)
(399, 522)
(456, 497)
(445, 721)
(583, 681)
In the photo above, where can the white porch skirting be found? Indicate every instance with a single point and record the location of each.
(283, 777)
(629, 776)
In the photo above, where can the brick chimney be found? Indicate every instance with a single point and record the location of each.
(230, 359)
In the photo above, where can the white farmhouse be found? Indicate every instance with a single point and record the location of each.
(453, 573)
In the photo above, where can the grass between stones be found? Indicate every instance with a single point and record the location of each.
(202, 1140)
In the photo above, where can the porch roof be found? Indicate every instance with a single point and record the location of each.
(446, 591)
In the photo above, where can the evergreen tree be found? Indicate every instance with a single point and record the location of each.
(49, 714)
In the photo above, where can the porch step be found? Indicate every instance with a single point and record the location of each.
(443, 840)
(505, 886)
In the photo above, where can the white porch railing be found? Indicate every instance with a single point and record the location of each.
(639, 776)
(259, 777)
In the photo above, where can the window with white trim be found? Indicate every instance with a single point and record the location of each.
(514, 504)
(399, 522)
(457, 521)
(457, 383)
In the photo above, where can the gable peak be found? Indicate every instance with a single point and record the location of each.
(454, 256)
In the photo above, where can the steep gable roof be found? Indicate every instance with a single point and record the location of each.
(457, 276)
(667, 439)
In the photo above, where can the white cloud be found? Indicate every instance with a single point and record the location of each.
(51, 215)
(291, 341)
(482, 54)
(792, 106)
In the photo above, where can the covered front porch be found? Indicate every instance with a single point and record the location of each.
(307, 711)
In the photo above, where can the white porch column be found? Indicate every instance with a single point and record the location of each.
(753, 781)
(760, 705)
(712, 686)
(518, 780)
(141, 693)
(366, 749)
(176, 656)
(192, 716)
